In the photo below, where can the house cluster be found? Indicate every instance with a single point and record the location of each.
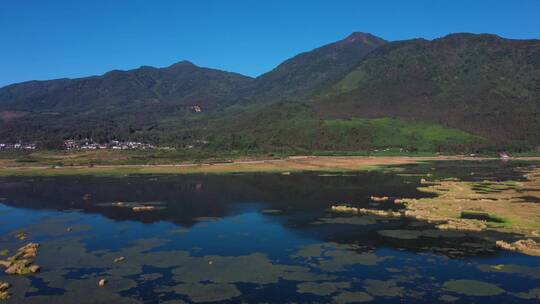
(18, 146)
(196, 108)
(129, 145)
(88, 144)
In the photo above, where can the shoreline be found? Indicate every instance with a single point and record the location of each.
(502, 206)
(282, 165)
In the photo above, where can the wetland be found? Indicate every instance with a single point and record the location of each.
(275, 237)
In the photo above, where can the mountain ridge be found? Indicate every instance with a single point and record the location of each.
(457, 34)
(476, 83)
(486, 78)
(116, 85)
(315, 67)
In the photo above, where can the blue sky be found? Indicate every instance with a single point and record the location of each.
(60, 38)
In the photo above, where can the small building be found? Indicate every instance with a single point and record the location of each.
(504, 155)
(196, 108)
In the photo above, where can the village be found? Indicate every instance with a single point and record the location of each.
(17, 146)
(83, 144)
(89, 144)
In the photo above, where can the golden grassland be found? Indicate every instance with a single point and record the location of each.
(506, 206)
(290, 164)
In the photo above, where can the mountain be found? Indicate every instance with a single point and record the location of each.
(483, 84)
(182, 83)
(116, 104)
(461, 92)
(301, 74)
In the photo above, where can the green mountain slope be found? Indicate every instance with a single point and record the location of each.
(462, 92)
(296, 128)
(483, 84)
(114, 105)
(182, 83)
(301, 74)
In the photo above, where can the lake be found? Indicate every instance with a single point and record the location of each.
(253, 238)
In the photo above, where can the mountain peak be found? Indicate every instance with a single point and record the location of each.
(182, 64)
(301, 74)
(358, 35)
(470, 36)
(364, 38)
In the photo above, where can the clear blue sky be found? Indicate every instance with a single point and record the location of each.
(68, 38)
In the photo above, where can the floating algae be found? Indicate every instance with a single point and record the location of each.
(313, 251)
(322, 289)
(253, 268)
(381, 288)
(207, 292)
(527, 271)
(448, 298)
(472, 288)
(333, 257)
(352, 297)
(340, 259)
(529, 295)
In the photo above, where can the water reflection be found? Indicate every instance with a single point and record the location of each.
(188, 198)
(251, 238)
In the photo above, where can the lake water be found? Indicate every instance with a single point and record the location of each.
(253, 238)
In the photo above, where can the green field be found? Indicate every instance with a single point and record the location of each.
(388, 133)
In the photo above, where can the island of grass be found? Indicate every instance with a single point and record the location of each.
(506, 206)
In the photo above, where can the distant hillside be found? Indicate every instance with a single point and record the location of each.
(483, 84)
(114, 105)
(182, 83)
